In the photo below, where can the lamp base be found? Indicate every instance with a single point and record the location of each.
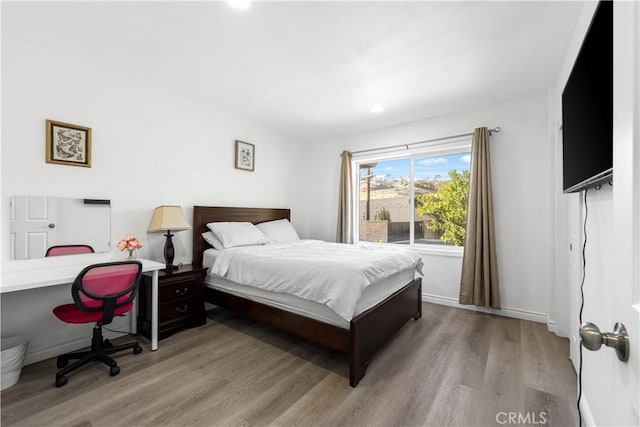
(169, 252)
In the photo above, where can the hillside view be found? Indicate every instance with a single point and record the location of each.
(440, 206)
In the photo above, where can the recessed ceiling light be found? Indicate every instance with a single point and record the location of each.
(239, 4)
(377, 109)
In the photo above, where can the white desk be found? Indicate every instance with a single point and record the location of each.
(63, 270)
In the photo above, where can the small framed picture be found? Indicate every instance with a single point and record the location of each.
(68, 144)
(245, 156)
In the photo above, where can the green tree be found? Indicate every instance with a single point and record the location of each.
(448, 207)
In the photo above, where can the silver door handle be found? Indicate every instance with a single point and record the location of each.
(592, 339)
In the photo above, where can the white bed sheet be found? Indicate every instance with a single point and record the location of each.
(209, 257)
(372, 295)
(328, 273)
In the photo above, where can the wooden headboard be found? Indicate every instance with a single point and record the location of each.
(202, 215)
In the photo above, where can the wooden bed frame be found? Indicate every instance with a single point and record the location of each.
(368, 332)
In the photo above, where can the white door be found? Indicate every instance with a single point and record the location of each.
(32, 226)
(612, 387)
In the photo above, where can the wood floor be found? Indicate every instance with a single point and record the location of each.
(452, 367)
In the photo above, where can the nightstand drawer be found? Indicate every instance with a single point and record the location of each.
(182, 289)
(180, 308)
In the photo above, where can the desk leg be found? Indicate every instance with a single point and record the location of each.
(154, 310)
(134, 315)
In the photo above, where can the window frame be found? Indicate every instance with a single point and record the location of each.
(460, 145)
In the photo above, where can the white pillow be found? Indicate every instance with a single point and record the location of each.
(211, 239)
(279, 230)
(232, 234)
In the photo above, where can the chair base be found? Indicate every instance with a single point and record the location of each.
(100, 348)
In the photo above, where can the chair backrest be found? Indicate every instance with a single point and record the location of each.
(106, 286)
(69, 250)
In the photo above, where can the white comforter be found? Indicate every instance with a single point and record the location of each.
(328, 273)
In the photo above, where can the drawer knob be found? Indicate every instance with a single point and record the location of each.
(181, 292)
(182, 310)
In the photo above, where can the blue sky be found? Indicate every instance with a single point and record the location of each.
(425, 168)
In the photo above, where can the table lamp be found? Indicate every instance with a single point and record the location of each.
(168, 218)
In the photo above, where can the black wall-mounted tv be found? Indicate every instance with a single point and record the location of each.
(587, 108)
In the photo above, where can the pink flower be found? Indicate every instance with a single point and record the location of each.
(129, 242)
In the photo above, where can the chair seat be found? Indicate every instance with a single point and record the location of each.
(70, 313)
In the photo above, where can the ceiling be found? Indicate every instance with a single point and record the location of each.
(314, 69)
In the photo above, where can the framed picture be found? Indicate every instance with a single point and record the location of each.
(68, 144)
(245, 156)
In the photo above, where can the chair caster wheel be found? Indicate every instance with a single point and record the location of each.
(107, 344)
(61, 380)
(114, 370)
(61, 363)
(137, 350)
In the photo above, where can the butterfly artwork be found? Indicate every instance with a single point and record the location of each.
(68, 144)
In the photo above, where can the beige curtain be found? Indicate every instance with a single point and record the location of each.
(344, 232)
(479, 281)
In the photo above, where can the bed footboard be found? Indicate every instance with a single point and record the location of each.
(375, 327)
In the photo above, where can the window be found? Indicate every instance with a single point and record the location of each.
(420, 199)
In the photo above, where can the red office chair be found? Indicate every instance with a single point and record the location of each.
(100, 292)
(69, 250)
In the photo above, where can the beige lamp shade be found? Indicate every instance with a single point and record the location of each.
(168, 218)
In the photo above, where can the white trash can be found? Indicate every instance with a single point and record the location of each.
(12, 352)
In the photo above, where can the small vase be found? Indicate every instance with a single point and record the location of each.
(132, 255)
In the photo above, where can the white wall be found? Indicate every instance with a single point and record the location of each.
(522, 175)
(605, 399)
(568, 208)
(149, 148)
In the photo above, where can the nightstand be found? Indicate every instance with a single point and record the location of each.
(180, 300)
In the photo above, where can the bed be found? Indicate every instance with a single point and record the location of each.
(366, 332)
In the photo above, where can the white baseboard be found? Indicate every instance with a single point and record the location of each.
(506, 311)
(67, 347)
(551, 326)
(587, 416)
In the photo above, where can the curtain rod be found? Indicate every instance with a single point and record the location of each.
(407, 146)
